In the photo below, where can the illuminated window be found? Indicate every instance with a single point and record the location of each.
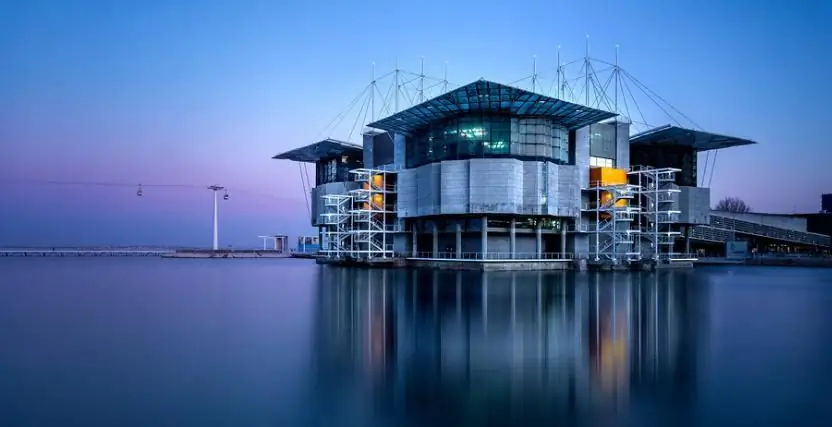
(600, 162)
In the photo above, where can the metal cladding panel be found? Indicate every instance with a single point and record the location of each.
(534, 188)
(481, 186)
(401, 243)
(602, 140)
(582, 156)
(383, 150)
(454, 187)
(564, 192)
(407, 193)
(427, 189)
(622, 146)
(318, 192)
(399, 144)
(368, 151)
(496, 185)
(695, 205)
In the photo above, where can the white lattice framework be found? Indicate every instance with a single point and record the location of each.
(373, 213)
(337, 221)
(658, 197)
(613, 218)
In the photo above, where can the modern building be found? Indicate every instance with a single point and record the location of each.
(493, 172)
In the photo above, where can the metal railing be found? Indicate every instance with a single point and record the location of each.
(493, 256)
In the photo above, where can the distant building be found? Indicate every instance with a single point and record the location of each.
(826, 203)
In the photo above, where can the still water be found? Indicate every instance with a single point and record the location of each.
(152, 342)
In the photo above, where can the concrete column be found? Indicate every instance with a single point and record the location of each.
(413, 244)
(687, 239)
(513, 238)
(459, 241)
(484, 234)
(435, 241)
(562, 237)
(539, 234)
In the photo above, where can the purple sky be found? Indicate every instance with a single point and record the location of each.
(156, 92)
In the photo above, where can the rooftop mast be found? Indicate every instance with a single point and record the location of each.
(445, 79)
(372, 95)
(422, 81)
(396, 85)
(586, 72)
(559, 71)
(534, 73)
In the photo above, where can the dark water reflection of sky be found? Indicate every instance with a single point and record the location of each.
(138, 342)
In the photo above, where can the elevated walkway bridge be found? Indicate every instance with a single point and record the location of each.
(725, 226)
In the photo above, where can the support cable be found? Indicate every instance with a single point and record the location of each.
(305, 196)
(115, 184)
(364, 107)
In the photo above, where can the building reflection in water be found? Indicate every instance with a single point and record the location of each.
(447, 348)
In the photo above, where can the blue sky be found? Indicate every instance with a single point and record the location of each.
(206, 92)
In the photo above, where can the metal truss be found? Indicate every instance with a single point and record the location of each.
(612, 227)
(337, 223)
(658, 199)
(373, 213)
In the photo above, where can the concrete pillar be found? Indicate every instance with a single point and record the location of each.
(435, 241)
(484, 235)
(459, 241)
(413, 244)
(539, 234)
(562, 238)
(687, 239)
(513, 238)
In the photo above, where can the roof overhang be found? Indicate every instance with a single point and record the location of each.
(325, 149)
(484, 96)
(680, 137)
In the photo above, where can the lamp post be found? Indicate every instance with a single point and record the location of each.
(215, 189)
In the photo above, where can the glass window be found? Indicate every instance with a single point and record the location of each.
(600, 162)
(488, 136)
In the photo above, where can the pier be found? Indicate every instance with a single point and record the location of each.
(82, 252)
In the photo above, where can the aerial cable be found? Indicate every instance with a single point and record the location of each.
(141, 187)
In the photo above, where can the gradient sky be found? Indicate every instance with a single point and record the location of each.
(206, 92)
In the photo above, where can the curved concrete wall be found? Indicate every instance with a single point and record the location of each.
(483, 186)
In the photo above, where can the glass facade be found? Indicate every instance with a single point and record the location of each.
(335, 169)
(667, 156)
(488, 136)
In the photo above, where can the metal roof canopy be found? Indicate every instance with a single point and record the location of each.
(681, 137)
(327, 148)
(483, 96)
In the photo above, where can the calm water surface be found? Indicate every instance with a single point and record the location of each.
(151, 342)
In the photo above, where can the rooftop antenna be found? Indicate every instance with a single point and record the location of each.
(422, 81)
(534, 73)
